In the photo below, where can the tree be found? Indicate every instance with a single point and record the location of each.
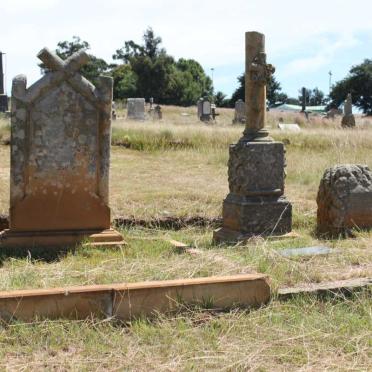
(95, 66)
(359, 83)
(156, 74)
(220, 100)
(273, 91)
(125, 82)
(314, 97)
(150, 63)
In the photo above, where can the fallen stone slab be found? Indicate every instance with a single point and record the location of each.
(289, 127)
(128, 301)
(306, 251)
(339, 287)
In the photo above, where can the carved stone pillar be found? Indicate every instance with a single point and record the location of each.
(256, 204)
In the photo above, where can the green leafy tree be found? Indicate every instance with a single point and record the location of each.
(188, 82)
(125, 82)
(95, 66)
(220, 100)
(359, 84)
(150, 63)
(158, 75)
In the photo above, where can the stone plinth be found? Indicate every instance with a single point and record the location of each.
(255, 204)
(60, 157)
(344, 199)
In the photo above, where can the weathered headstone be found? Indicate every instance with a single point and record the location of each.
(348, 120)
(256, 204)
(3, 96)
(239, 115)
(136, 108)
(344, 199)
(60, 157)
(199, 107)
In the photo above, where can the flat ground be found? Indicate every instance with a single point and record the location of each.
(177, 167)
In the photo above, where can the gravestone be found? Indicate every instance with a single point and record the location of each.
(344, 199)
(199, 107)
(60, 157)
(136, 108)
(256, 204)
(205, 110)
(3, 96)
(348, 120)
(239, 115)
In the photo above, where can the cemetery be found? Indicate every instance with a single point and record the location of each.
(177, 238)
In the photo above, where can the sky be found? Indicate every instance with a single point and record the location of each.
(303, 42)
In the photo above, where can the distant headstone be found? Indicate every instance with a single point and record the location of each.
(113, 111)
(136, 108)
(239, 115)
(60, 157)
(307, 251)
(200, 107)
(205, 109)
(289, 127)
(344, 199)
(3, 96)
(348, 120)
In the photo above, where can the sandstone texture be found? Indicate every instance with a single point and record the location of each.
(344, 199)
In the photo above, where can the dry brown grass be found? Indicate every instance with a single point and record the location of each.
(181, 170)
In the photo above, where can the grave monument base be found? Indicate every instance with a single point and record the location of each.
(30, 239)
(256, 205)
(244, 218)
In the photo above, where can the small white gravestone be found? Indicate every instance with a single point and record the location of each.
(289, 127)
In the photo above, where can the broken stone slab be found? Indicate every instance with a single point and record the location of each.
(307, 251)
(344, 199)
(339, 287)
(129, 301)
(289, 127)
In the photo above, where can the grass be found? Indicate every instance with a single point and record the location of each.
(178, 168)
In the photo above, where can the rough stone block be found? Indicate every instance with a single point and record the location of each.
(245, 217)
(345, 199)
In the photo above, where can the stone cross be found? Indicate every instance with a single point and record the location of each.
(60, 157)
(257, 73)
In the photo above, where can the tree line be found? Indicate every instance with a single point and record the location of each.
(146, 70)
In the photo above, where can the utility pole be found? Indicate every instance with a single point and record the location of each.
(330, 82)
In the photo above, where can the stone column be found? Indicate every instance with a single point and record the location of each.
(348, 120)
(303, 99)
(256, 204)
